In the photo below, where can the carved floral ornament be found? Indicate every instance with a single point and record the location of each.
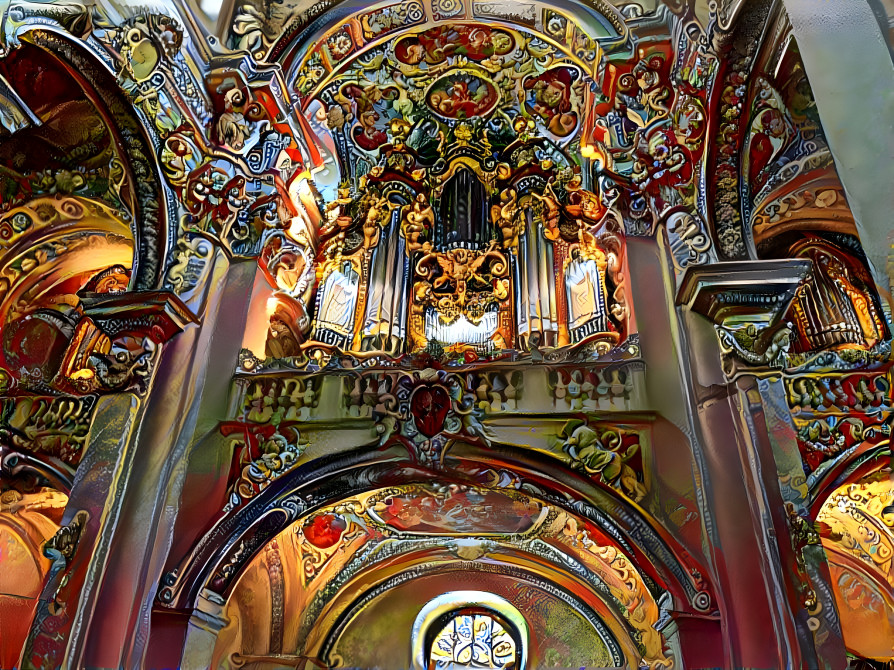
(854, 526)
(856, 519)
(610, 453)
(427, 415)
(425, 412)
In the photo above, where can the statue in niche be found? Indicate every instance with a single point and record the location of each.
(283, 339)
(507, 217)
(419, 220)
(372, 227)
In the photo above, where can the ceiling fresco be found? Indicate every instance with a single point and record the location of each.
(855, 526)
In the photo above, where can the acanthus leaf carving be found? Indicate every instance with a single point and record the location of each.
(612, 454)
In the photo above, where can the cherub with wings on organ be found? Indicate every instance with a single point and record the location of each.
(459, 266)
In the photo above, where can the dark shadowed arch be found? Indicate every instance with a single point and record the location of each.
(149, 224)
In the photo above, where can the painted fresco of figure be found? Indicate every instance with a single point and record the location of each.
(586, 293)
(583, 287)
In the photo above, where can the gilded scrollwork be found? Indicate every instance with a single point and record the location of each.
(856, 519)
(689, 239)
(453, 144)
(611, 454)
(759, 347)
(261, 454)
(459, 284)
(54, 426)
(426, 411)
(190, 261)
(64, 543)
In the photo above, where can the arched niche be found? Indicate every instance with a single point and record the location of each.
(26, 522)
(772, 172)
(54, 246)
(566, 629)
(81, 139)
(55, 252)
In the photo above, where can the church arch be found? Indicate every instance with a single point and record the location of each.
(442, 197)
(618, 653)
(217, 558)
(140, 183)
(359, 549)
(854, 528)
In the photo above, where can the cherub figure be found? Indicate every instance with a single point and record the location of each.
(418, 219)
(550, 214)
(506, 216)
(372, 229)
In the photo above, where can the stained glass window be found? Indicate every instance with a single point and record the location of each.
(473, 640)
